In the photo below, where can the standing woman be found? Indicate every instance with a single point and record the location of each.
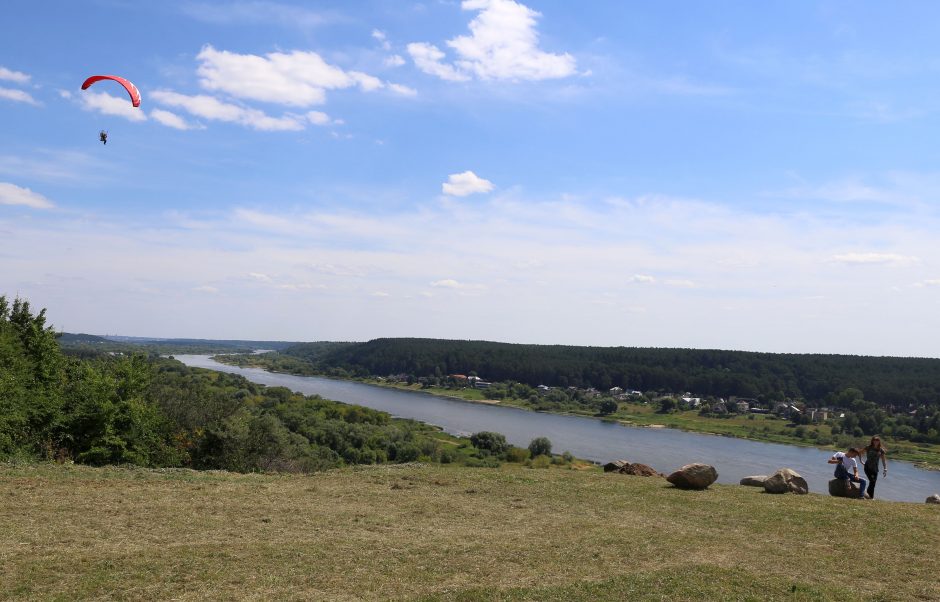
(874, 452)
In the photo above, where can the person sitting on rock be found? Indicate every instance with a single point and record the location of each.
(847, 469)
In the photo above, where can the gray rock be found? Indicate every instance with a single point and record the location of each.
(934, 499)
(639, 470)
(755, 481)
(786, 480)
(693, 476)
(615, 466)
(843, 488)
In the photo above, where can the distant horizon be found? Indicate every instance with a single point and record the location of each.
(279, 340)
(739, 176)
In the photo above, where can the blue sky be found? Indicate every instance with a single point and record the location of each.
(733, 175)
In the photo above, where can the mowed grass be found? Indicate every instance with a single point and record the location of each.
(447, 533)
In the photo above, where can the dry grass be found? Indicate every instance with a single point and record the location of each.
(442, 533)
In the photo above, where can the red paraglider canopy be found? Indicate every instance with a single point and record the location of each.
(131, 88)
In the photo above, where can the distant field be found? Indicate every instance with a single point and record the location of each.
(447, 533)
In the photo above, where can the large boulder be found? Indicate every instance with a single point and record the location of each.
(934, 499)
(843, 488)
(786, 480)
(693, 476)
(755, 481)
(639, 470)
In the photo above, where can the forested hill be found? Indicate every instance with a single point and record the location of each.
(884, 380)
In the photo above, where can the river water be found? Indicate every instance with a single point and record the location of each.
(663, 449)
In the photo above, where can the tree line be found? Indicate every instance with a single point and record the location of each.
(888, 381)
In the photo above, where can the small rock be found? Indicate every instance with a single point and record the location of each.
(934, 499)
(694, 476)
(786, 480)
(615, 466)
(639, 470)
(755, 481)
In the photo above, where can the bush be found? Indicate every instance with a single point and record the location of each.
(517, 455)
(494, 443)
(567, 456)
(539, 462)
(540, 446)
(608, 406)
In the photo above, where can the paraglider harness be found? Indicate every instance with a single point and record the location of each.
(103, 136)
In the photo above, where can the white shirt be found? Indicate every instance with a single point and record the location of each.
(850, 464)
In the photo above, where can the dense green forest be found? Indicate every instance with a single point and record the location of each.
(90, 345)
(888, 381)
(115, 408)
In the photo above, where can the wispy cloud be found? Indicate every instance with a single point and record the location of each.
(172, 120)
(17, 96)
(869, 258)
(650, 269)
(209, 107)
(54, 164)
(17, 77)
(11, 194)
(102, 102)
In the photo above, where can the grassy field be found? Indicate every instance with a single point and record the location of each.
(447, 533)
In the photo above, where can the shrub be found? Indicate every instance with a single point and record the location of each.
(540, 446)
(540, 462)
(517, 454)
(494, 443)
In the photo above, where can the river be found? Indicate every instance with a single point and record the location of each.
(663, 449)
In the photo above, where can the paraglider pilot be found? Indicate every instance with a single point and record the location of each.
(103, 136)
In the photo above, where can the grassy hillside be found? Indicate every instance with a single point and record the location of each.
(446, 533)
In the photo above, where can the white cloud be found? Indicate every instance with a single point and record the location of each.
(297, 78)
(171, 120)
(503, 45)
(259, 276)
(209, 107)
(17, 96)
(11, 194)
(929, 282)
(587, 251)
(874, 258)
(66, 94)
(403, 90)
(428, 57)
(642, 278)
(103, 102)
(206, 289)
(380, 36)
(680, 283)
(394, 60)
(380, 294)
(463, 184)
(319, 118)
(13, 76)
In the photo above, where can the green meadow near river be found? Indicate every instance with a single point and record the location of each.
(433, 532)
